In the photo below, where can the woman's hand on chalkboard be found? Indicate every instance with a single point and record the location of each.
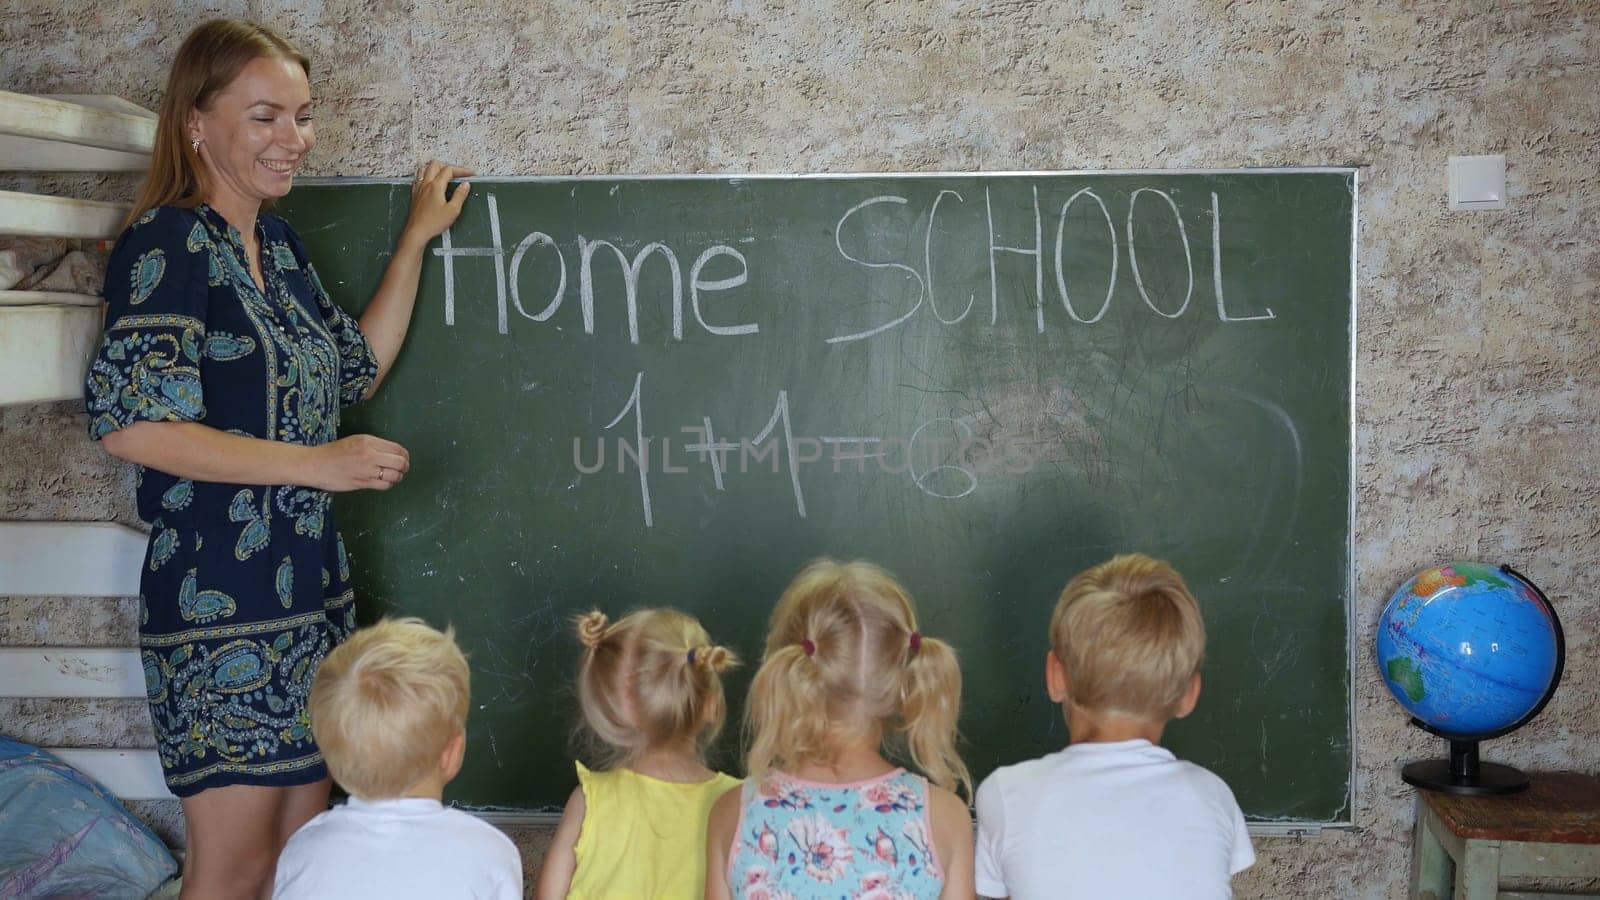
(431, 210)
(361, 462)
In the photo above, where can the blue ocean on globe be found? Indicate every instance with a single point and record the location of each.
(1467, 649)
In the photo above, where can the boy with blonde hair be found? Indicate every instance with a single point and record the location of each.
(1115, 814)
(389, 710)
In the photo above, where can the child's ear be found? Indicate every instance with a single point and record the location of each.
(455, 753)
(1055, 677)
(1191, 696)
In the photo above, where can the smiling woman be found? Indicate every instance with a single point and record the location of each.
(254, 151)
(221, 374)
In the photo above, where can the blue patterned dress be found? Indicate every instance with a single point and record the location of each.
(868, 840)
(245, 587)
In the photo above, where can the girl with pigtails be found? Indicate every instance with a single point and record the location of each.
(650, 692)
(823, 813)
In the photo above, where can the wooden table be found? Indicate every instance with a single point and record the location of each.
(1551, 830)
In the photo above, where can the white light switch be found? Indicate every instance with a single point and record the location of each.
(1477, 182)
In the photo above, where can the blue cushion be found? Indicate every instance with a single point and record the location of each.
(62, 834)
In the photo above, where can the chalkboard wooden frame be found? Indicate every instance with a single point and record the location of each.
(1289, 824)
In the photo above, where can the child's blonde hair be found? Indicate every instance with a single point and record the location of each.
(843, 654)
(650, 679)
(1130, 637)
(386, 703)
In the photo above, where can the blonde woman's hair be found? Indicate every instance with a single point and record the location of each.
(207, 62)
(1130, 637)
(844, 654)
(649, 679)
(386, 703)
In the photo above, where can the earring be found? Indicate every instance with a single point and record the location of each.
(195, 144)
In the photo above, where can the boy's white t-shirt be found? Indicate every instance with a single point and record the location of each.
(1122, 819)
(410, 847)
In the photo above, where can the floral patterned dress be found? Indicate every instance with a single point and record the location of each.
(868, 840)
(245, 587)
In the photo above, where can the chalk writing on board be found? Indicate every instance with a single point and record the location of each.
(925, 281)
(943, 457)
(910, 272)
(937, 457)
(732, 269)
(927, 261)
(587, 248)
(923, 479)
(946, 466)
(749, 450)
(638, 432)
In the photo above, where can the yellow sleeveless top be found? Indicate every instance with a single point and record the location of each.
(643, 837)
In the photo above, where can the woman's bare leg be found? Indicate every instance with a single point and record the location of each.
(300, 804)
(233, 841)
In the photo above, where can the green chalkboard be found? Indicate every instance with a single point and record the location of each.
(983, 382)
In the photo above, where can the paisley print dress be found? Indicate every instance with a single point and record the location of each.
(245, 587)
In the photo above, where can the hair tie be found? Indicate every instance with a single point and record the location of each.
(810, 648)
(916, 641)
(691, 657)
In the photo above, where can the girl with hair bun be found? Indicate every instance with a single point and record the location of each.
(650, 692)
(846, 671)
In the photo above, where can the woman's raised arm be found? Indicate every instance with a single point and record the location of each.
(387, 316)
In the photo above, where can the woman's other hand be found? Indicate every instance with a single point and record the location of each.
(359, 462)
(431, 210)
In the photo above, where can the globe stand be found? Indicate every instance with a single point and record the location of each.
(1462, 773)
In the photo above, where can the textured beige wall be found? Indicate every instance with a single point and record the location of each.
(1476, 373)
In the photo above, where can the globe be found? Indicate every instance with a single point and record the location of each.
(1471, 651)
